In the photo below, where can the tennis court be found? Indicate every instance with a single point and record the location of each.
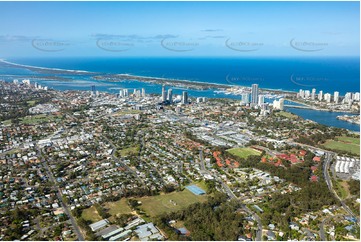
(195, 190)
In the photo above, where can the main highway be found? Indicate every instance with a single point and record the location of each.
(326, 166)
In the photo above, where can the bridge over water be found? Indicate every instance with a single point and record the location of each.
(298, 106)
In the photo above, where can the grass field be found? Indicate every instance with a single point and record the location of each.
(31, 103)
(342, 189)
(13, 151)
(128, 151)
(156, 205)
(243, 152)
(91, 214)
(124, 112)
(286, 115)
(344, 144)
(355, 141)
(37, 119)
(118, 207)
(7, 122)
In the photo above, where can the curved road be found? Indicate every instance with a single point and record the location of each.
(322, 229)
(232, 196)
(326, 166)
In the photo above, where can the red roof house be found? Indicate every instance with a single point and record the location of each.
(314, 178)
(316, 158)
(303, 152)
(314, 168)
(283, 156)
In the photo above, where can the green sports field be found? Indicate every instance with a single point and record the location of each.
(344, 143)
(129, 150)
(165, 203)
(35, 119)
(243, 152)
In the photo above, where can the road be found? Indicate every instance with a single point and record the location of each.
(61, 200)
(232, 196)
(322, 229)
(114, 148)
(326, 166)
(268, 151)
(203, 168)
(249, 211)
(119, 161)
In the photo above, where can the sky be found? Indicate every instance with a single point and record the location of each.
(51, 29)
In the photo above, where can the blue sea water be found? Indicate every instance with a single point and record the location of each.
(291, 74)
(323, 73)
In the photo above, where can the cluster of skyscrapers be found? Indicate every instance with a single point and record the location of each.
(124, 92)
(167, 96)
(256, 99)
(349, 97)
(136, 92)
(259, 100)
(27, 83)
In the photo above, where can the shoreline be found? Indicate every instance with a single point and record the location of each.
(193, 84)
(349, 118)
(43, 68)
(306, 106)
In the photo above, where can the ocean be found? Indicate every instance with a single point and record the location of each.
(323, 73)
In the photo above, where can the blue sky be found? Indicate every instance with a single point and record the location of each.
(179, 29)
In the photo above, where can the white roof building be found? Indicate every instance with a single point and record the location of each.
(98, 225)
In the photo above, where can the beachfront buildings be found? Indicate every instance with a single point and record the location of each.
(313, 94)
(327, 97)
(320, 95)
(336, 96)
(349, 102)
